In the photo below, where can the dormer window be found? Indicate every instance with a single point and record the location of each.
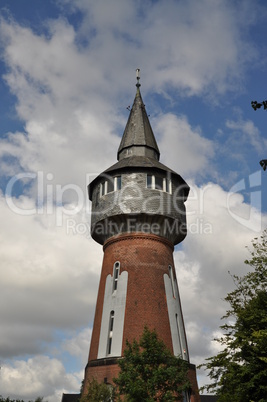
(110, 185)
(159, 183)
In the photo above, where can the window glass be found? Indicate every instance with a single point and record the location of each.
(159, 183)
(102, 187)
(110, 334)
(118, 182)
(111, 320)
(168, 188)
(116, 272)
(110, 185)
(149, 181)
(172, 280)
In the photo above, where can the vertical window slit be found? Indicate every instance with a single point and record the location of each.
(110, 332)
(116, 273)
(179, 335)
(172, 281)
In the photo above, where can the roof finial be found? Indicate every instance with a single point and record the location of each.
(138, 77)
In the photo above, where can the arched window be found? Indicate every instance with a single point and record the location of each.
(116, 273)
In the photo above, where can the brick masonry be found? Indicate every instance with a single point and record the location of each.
(146, 258)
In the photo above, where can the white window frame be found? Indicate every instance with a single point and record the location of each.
(164, 184)
(116, 183)
(104, 186)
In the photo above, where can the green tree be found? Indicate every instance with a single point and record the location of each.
(97, 392)
(149, 371)
(257, 105)
(38, 399)
(239, 371)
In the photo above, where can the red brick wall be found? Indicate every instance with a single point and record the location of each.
(108, 372)
(102, 373)
(192, 376)
(146, 258)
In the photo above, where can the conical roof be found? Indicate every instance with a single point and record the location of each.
(138, 138)
(138, 148)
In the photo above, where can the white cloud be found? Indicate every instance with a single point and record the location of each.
(182, 147)
(49, 273)
(66, 90)
(78, 345)
(63, 110)
(215, 244)
(193, 46)
(72, 87)
(245, 131)
(38, 376)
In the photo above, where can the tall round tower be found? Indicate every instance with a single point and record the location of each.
(138, 215)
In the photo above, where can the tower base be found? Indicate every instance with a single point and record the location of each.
(105, 370)
(102, 370)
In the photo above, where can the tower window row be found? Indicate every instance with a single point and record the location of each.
(112, 184)
(152, 182)
(159, 183)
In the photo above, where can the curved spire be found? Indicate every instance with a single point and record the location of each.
(138, 138)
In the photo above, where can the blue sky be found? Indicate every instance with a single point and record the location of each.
(67, 76)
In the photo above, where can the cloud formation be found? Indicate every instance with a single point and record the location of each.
(72, 79)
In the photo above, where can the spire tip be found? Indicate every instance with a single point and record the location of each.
(138, 77)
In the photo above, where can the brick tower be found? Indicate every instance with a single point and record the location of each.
(138, 215)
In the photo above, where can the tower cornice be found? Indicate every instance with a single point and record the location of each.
(137, 236)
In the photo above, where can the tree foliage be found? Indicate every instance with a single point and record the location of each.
(239, 371)
(38, 399)
(257, 105)
(149, 371)
(97, 392)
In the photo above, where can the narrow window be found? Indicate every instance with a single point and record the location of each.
(172, 281)
(159, 183)
(116, 273)
(164, 185)
(168, 186)
(117, 183)
(179, 335)
(110, 185)
(186, 396)
(102, 189)
(149, 181)
(110, 332)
